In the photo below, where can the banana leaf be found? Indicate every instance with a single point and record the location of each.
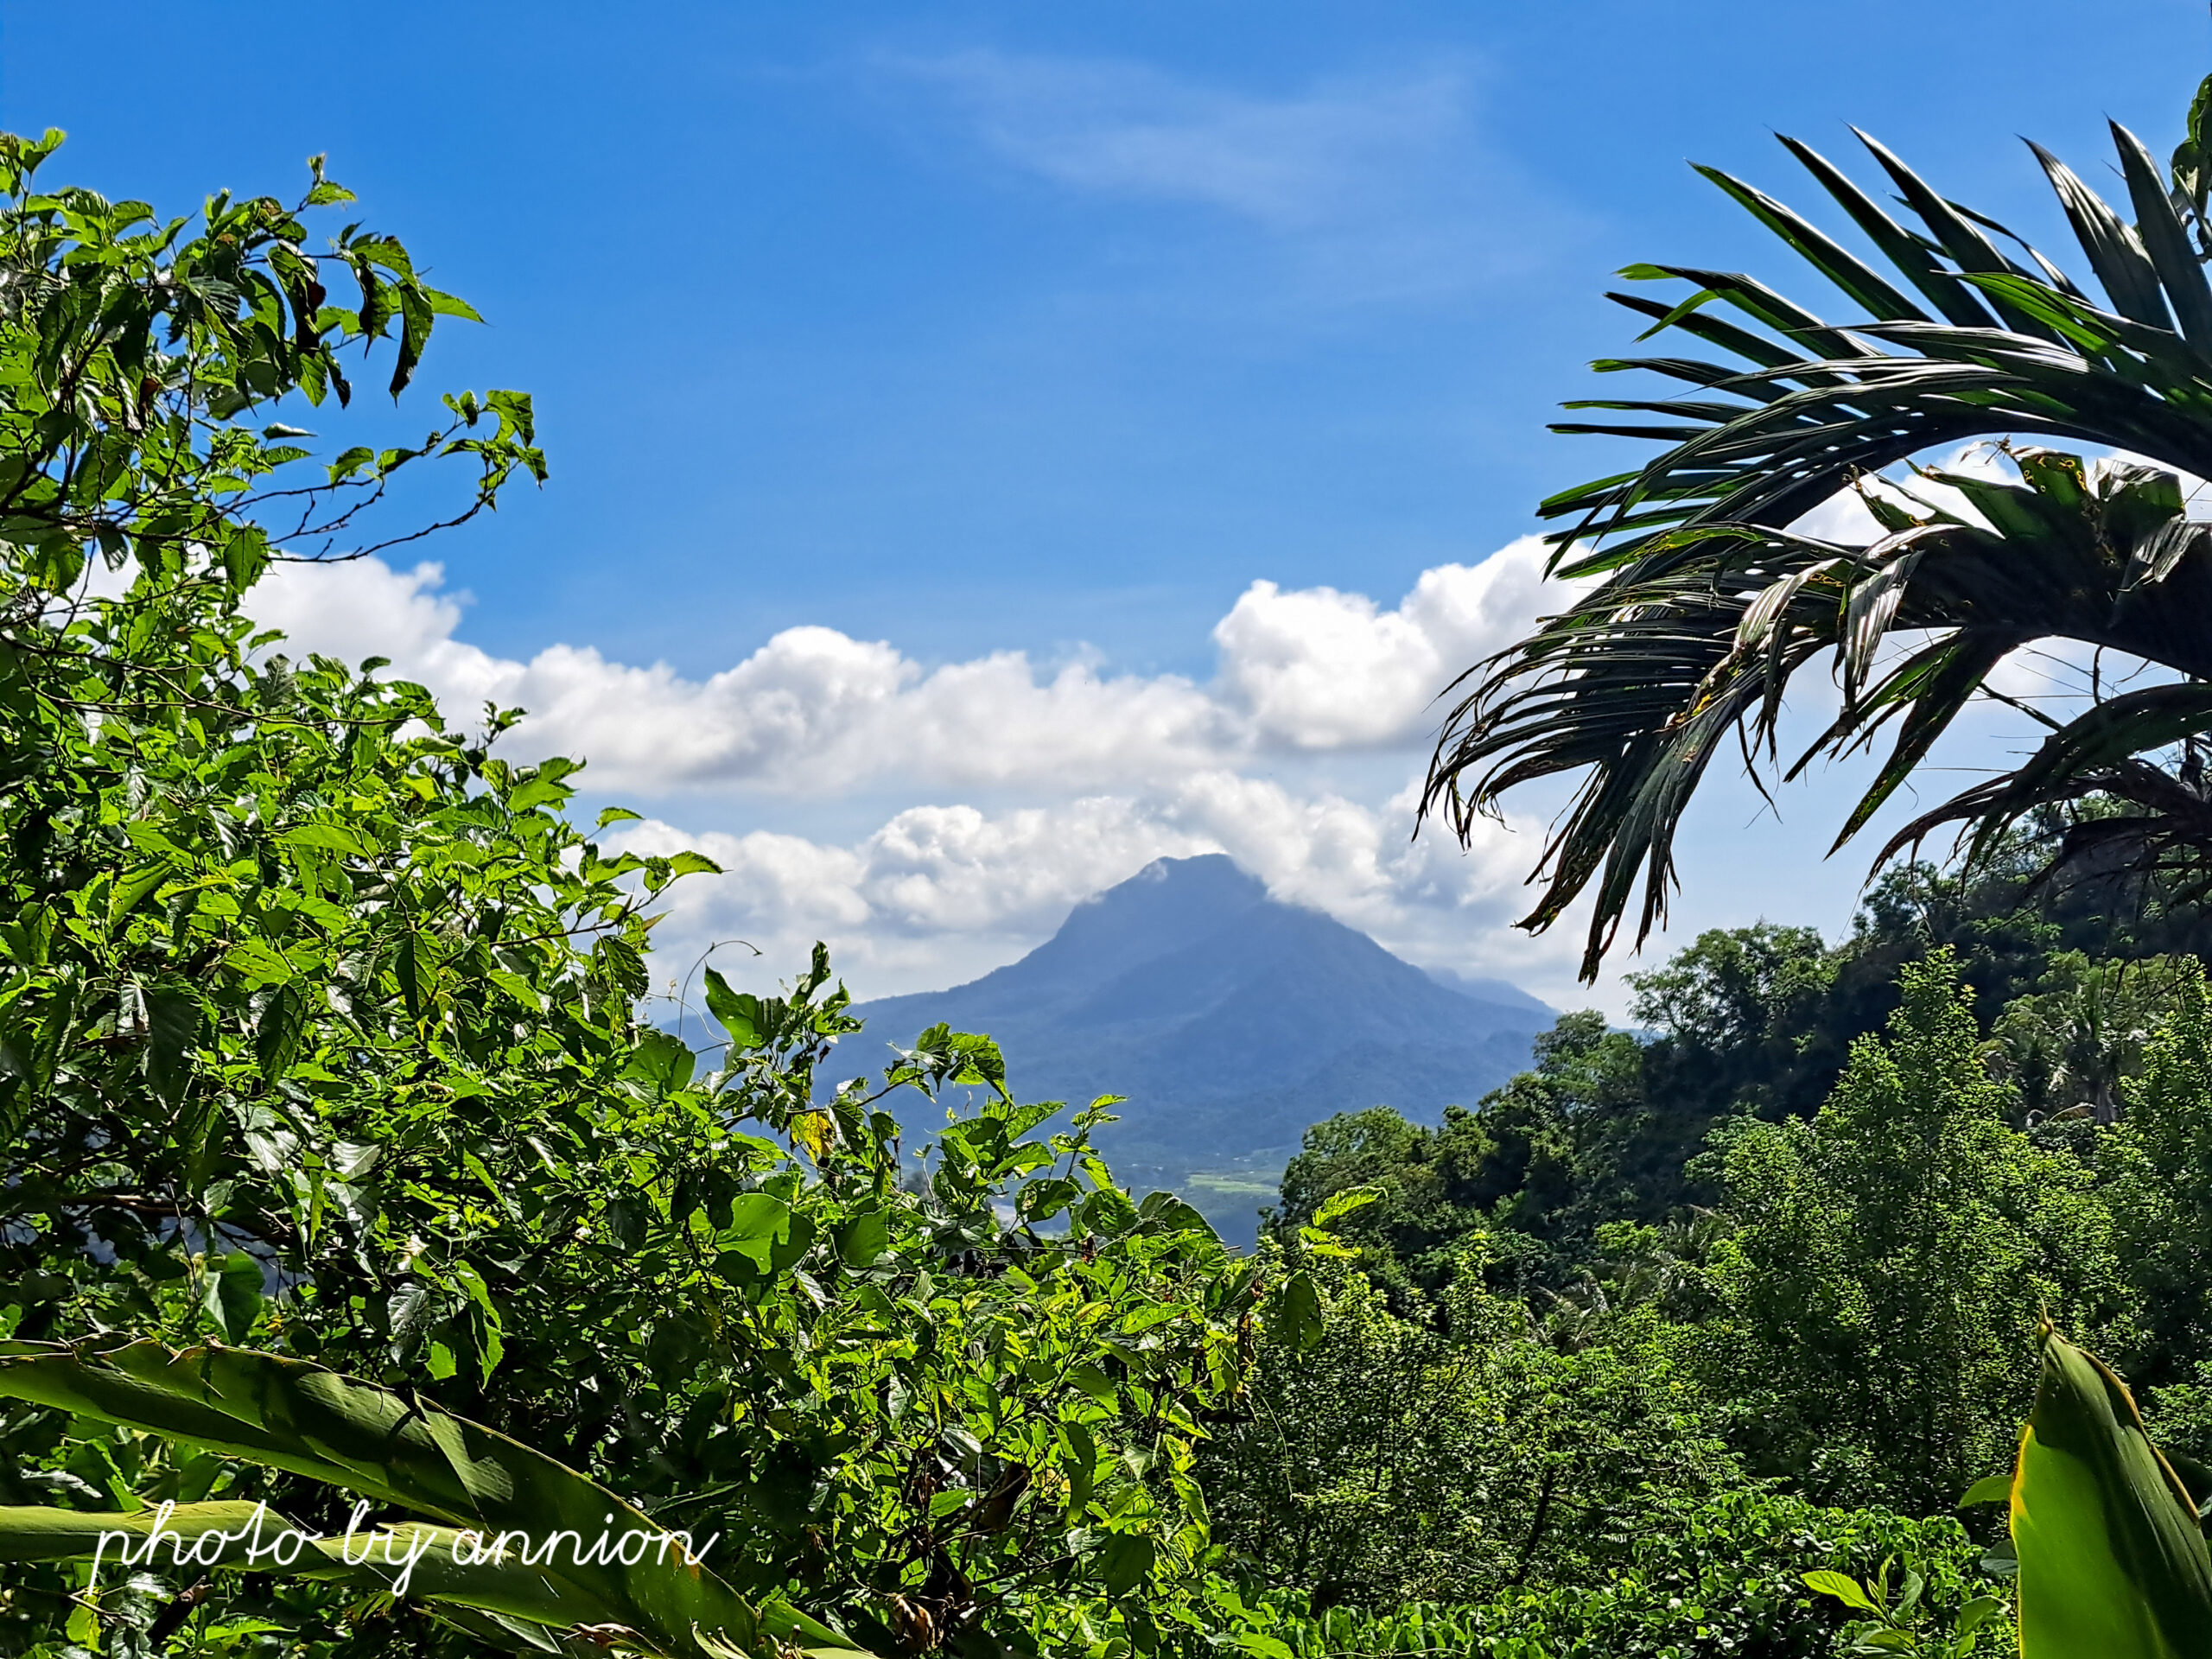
(2112, 1557)
(476, 1485)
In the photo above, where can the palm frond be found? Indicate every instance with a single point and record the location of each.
(1706, 603)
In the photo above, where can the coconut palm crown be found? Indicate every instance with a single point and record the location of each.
(1703, 602)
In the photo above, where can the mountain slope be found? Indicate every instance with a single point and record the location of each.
(1231, 1020)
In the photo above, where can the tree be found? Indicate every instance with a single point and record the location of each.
(1705, 604)
(1535, 1166)
(1889, 1260)
(145, 361)
(2156, 1164)
(1395, 1461)
(1731, 988)
(2069, 1045)
(320, 1033)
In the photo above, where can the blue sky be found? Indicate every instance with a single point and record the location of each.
(993, 345)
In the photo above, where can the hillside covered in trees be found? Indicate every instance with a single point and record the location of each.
(2067, 983)
(1812, 1218)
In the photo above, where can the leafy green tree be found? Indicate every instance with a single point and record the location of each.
(146, 360)
(2156, 1164)
(318, 1033)
(1889, 1259)
(1396, 1460)
(1707, 603)
(1609, 1130)
(2069, 1045)
(1533, 1166)
(1636, 1266)
(1734, 987)
(1728, 1015)
(1762, 1019)
(1421, 1212)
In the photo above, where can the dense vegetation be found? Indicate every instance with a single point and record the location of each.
(320, 1038)
(1656, 1300)
(320, 1034)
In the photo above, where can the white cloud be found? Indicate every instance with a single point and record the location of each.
(1090, 774)
(814, 712)
(938, 894)
(1316, 668)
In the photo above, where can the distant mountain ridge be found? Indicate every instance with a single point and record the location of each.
(1230, 1020)
(1493, 990)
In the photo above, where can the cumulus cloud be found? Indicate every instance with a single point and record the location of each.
(1088, 775)
(816, 712)
(938, 894)
(1316, 668)
(813, 711)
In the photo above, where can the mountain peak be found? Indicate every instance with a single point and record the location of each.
(1231, 1020)
(1170, 904)
(1206, 878)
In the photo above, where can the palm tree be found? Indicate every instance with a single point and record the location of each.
(1704, 601)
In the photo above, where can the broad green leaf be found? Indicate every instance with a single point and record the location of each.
(258, 961)
(282, 1027)
(475, 1484)
(174, 1015)
(538, 791)
(1974, 1614)
(1079, 1462)
(2112, 1559)
(862, 1241)
(1125, 1560)
(130, 890)
(233, 1292)
(1163, 1213)
(739, 1013)
(1990, 1489)
(763, 1228)
(1108, 1211)
(1843, 1587)
(520, 988)
(245, 553)
(329, 838)
(1298, 1321)
(662, 1060)
(1343, 1201)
